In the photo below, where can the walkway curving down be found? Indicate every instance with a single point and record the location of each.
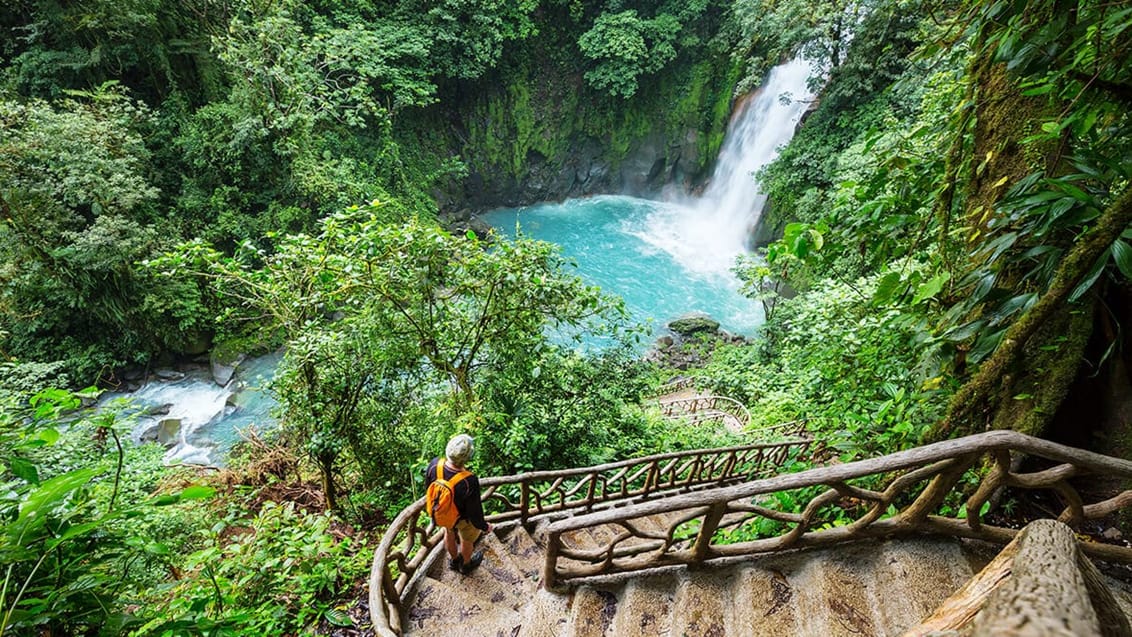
(686, 402)
(715, 543)
(874, 588)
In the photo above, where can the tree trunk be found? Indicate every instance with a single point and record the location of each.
(329, 489)
(970, 406)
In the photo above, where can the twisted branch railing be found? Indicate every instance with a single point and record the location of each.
(403, 555)
(895, 494)
(713, 406)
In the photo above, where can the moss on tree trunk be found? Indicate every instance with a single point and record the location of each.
(972, 408)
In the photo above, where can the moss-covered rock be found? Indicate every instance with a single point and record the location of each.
(694, 324)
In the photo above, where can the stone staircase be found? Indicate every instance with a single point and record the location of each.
(680, 545)
(866, 588)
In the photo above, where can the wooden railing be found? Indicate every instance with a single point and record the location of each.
(694, 406)
(403, 555)
(906, 492)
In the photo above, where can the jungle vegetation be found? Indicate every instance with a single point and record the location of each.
(949, 252)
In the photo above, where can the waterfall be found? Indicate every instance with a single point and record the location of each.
(705, 234)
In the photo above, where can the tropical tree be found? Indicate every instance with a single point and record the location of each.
(1047, 203)
(78, 213)
(624, 46)
(372, 302)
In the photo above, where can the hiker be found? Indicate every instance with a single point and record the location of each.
(469, 525)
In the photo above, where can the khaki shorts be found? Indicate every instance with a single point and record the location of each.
(468, 533)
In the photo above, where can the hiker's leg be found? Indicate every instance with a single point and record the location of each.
(450, 542)
(468, 536)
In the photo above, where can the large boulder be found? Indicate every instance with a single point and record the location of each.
(694, 324)
(169, 431)
(223, 365)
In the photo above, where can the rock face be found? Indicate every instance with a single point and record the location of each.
(223, 367)
(168, 432)
(694, 337)
(651, 163)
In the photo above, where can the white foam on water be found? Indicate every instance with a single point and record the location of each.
(705, 234)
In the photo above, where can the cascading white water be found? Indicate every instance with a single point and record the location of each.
(706, 234)
(208, 417)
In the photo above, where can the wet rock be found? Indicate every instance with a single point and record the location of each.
(157, 410)
(169, 374)
(133, 374)
(664, 342)
(197, 343)
(223, 367)
(1112, 534)
(168, 431)
(149, 434)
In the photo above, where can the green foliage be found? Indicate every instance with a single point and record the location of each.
(780, 29)
(279, 572)
(625, 47)
(853, 372)
(73, 542)
(54, 47)
(292, 76)
(543, 412)
(77, 206)
(1021, 242)
(468, 36)
(856, 101)
(375, 313)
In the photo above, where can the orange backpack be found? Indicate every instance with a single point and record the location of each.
(440, 499)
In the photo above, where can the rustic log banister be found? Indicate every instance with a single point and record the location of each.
(709, 498)
(712, 407)
(404, 552)
(942, 465)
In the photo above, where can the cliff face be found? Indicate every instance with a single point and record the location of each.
(650, 163)
(527, 136)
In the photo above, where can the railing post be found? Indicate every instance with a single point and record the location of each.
(590, 491)
(707, 530)
(549, 567)
(524, 502)
(652, 478)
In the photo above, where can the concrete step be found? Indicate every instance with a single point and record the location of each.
(835, 593)
(765, 602)
(869, 588)
(592, 613)
(703, 606)
(913, 577)
(439, 608)
(497, 581)
(645, 608)
(546, 615)
(525, 553)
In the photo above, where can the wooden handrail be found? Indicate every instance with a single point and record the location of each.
(889, 512)
(695, 404)
(403, 554)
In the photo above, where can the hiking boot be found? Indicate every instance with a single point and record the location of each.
(455, 563)
(477, 557)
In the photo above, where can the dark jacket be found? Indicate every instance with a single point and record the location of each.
(467, 495)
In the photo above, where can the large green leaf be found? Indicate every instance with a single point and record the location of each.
(1122, 254)
(42, 501)
(931, 287)
(886, 288)
(1091, 277)
(24, 470)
